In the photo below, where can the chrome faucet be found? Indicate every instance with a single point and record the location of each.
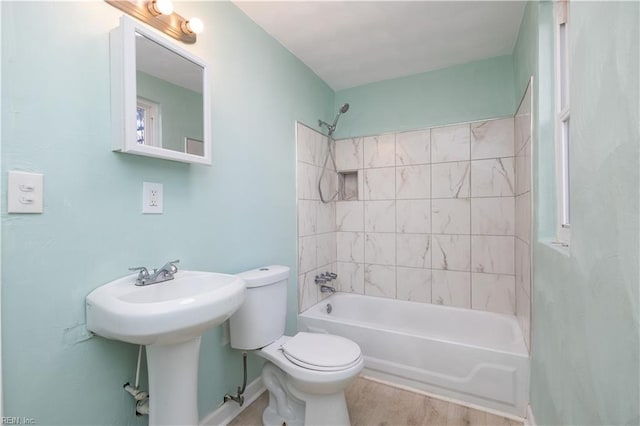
(327, 289)
(323, 279)
(164, 273)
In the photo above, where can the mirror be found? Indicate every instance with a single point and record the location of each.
(160, 103)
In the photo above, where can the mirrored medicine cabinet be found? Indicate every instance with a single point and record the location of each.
(160, 104)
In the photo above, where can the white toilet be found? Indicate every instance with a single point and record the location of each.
(305, 374)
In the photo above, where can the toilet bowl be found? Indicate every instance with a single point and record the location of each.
(305, 374)
(302, 393)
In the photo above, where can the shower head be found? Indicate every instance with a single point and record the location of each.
(332, 127)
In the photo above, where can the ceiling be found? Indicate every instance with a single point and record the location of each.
(350, 43)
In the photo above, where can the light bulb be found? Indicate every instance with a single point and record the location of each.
(193, 25)
(161, 7)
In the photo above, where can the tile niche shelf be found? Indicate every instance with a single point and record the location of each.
(348, 184)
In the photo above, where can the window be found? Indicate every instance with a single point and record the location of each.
(562, 120)
(147, 123)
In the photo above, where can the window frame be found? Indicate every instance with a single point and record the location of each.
(152, 136)
(562, 118)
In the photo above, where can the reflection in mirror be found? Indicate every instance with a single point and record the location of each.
(169, 109)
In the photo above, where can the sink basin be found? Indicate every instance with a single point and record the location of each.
(169, 318)
(169, 312)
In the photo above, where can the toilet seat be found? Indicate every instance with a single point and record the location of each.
(321, 352)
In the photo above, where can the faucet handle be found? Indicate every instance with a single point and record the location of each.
(143, 272)
(172, 265)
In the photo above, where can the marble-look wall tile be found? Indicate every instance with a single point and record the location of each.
(450, 143)
(451, 216)
(379, 248)
(380, 184)
(413, 216)
(306, 142)
(380, 281)
(522, 121)
(413, 250)
(307, 291)
(492, 139)
(450, 180)
(306, 217)
(331, 268)
(350, 216)
(523, 269)
(380, 151)
(329, 184)
(413, 148)
(307, 250)
(349, 154)
(523, 128)
(380, 216)
(434, 206)
(495, 293)
(451, 252)
(350, 277)
(492, 254)
(523, 288)
(522, 131)
(413, 182)
(523, 217)
(326, 217)
(307, 182)
(413, 284)
(451, 288)
(523, 169)
(493, 178)
(323, 148)
(493, 216)
(350, 247)
(326, 249)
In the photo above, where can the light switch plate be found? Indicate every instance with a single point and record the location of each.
(25, 192)
(152, 199)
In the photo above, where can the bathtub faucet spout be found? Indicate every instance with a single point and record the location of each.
(327, 289)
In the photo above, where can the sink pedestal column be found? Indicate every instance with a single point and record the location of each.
(173, 383)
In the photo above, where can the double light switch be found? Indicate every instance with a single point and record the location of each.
(25, 192)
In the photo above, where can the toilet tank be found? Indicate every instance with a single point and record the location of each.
(261, 318)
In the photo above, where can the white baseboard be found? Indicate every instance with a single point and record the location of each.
(530, 420)
(230, 409)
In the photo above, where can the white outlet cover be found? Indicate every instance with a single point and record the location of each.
(25, 192)
(152, 199)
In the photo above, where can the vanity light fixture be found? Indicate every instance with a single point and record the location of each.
(160, 15)
(192, 26)
(160, 7)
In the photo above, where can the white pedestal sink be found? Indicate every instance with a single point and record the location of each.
(168, 318)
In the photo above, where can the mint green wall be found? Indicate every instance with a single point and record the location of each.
(237, 214)
(533, 56)
(468, 92)
(181, 109)
(585, 343)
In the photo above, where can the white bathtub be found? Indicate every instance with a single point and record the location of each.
(475, 357)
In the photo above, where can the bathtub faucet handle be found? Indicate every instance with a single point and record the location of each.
(320, 279)
(332, 275)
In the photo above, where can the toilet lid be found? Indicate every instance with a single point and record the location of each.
(323, 352)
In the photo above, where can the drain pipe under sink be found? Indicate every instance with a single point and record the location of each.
(141, 397)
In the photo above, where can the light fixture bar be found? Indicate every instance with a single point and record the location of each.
(168, 24)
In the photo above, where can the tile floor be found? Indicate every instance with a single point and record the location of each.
(375, 404)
